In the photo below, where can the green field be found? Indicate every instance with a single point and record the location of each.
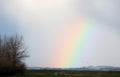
(68, 73)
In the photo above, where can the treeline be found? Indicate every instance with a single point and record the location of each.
(12, 54)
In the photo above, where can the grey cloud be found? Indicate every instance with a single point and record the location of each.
(104, 11)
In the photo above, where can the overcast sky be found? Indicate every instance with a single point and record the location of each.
(42, 23)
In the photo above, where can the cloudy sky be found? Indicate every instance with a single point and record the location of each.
(43, 23)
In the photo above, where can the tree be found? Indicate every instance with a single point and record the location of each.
(12, 54)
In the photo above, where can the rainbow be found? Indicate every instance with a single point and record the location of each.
(75, 40)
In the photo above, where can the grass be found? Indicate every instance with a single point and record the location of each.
(68, 73)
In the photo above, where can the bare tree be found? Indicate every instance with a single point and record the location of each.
(12, 54)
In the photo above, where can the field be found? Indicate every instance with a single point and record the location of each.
(68, 73)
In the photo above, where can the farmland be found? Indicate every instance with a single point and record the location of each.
(68, 73)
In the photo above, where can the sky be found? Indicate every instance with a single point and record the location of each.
(65, 33)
